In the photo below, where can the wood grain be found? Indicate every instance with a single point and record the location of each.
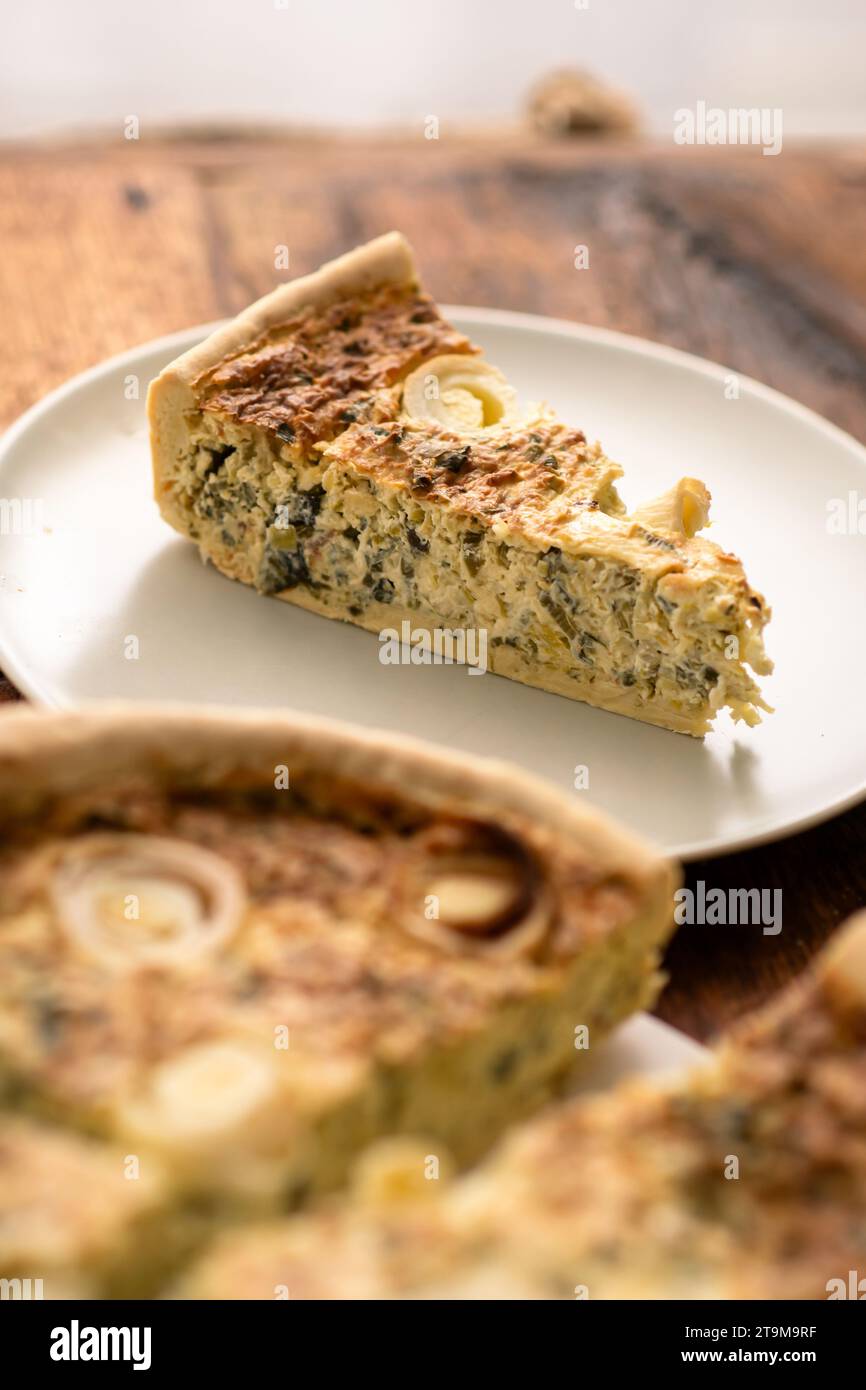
(754, 262)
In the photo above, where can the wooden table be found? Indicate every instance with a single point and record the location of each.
(754, 262)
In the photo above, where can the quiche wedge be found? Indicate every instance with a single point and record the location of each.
(745, 1181)
(242, 946)
(340, 446)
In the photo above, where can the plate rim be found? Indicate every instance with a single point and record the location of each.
(179, 340)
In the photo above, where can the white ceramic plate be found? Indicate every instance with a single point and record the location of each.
(643, 1046)
(102, 567)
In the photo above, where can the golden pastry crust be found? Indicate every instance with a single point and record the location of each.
(47, 756)
(747, 1180)
(385, 261)
(170, 912)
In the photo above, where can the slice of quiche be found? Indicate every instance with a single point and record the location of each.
(246, 945)
(747, 1180)
(341, 446)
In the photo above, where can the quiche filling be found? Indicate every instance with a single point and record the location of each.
(363, 461)
(154, 944)
(235, 949)
(627, 1195)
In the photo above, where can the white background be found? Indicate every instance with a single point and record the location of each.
(67, 65)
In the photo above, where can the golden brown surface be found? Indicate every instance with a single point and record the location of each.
(540, 474)
(321, 370)
(540, 478)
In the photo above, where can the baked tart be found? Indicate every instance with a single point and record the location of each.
(746, 1180)
(242, 946)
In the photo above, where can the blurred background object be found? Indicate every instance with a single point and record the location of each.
(570, 102)
(379, 63)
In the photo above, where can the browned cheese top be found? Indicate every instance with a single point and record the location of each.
(323, 369)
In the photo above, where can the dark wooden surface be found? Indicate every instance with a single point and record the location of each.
(754, 262)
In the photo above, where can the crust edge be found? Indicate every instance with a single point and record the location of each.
(387, 260)
(51, 752)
